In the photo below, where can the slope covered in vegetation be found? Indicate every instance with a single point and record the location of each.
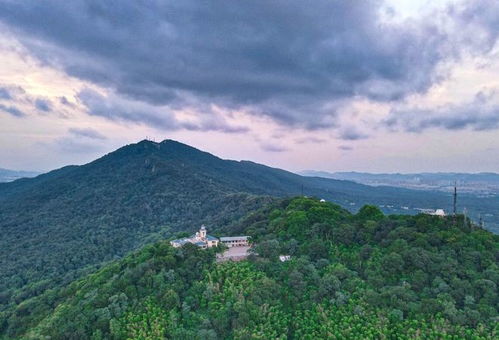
(360, 276)
(61, 225)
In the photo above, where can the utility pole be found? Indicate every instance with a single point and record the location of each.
(455, 203)
(455, 198)
(482, 222)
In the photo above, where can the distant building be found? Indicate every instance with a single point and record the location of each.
(438, 212)
(235, 241)
(200, 239)
(322, 200)
(284, 258)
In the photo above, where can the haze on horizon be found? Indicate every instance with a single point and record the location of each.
(373, 86)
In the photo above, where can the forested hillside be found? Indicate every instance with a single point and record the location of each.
(61, 225)
(350, 276)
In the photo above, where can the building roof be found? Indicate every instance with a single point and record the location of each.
(234, 238)
(208, 237)
(182, 241)
(194, 239)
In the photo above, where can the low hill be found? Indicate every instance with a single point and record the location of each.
(350, 276)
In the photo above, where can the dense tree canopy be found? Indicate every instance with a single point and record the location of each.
(350, 276)
(66, 224)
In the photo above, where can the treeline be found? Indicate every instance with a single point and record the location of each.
(360, 276)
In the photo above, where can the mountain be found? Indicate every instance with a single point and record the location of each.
(362, 276)
(60, 225)
(484, 183)
(11, 175)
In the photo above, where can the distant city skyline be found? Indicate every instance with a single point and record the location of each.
(370, 86)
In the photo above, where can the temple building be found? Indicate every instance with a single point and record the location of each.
(201, 239)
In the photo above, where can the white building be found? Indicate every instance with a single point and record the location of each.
(235, 241)
(439, 212)
(201, 239)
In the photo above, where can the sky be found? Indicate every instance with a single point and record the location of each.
(359, 85)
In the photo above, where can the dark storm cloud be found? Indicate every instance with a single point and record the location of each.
(87, 132)
(43, 105)
(480, 114)
(287, 59)
(117, 108)
(12, 110)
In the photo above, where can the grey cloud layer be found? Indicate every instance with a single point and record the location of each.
(286, 59)
(291, 60)
(480, 114)
(477, 22)
(117, 108)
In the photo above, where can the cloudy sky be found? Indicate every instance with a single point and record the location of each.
(379, 86)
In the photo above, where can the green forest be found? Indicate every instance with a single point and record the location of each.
(350, 276)
(68, 223)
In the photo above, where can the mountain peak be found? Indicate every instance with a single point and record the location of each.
(165, 144)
